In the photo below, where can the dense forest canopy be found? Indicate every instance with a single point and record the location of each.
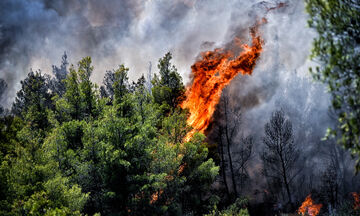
(72, 146)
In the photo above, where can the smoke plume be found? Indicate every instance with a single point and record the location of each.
(35, 33)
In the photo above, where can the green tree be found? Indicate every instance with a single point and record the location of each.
(120, 85)
(119, 158)
(238, 208)
(33, 100)
(115, 82)
(36, 185)
(9, 126)
(181, 171)
(87, 92)
(168, 88)
(80, 98)
(336, 48)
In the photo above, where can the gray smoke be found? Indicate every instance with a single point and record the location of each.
(281, 80)
(35, 33)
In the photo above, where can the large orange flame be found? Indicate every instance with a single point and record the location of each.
(213, 72)
(308, 207)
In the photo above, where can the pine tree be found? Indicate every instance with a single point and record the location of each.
(33, 101)
(168, 88)
(57, 84)
(280, 153)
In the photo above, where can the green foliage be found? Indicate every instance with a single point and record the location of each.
(168, 88)
(80, 98)
(120, 83)
(336, 47)
(116, 84)
(236, 209)
(121, 154)
(35, 183)
(33, 100)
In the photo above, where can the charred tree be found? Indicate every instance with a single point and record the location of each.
(222, 162)
(330, 185)
(228, 131)
(280, 153)
(243, 156)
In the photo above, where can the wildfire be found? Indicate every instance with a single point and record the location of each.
(155, 196)
(356, 197)
(213, 72)
(309, 208)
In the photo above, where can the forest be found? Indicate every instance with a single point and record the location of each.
(158, 146)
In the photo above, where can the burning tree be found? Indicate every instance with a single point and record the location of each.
(280, 154)
(213, 72)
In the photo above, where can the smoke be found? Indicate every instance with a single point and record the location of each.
(281, 80)
(35, 33)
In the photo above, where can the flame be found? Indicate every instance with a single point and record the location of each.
(181, 168)
(213, 72)
(356, 197)
(155, 196)
(309, 208)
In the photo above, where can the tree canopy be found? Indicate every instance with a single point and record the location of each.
(67, 150)
(336, 48)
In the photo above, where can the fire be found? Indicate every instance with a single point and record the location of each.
(213, 72)
(309, 208)
(356, 197)
(155, 196)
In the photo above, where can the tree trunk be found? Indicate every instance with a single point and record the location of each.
(228, 151)
(286, 180)
(223, 163)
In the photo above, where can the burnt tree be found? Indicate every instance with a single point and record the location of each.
(221, 149)
(235, 150)
(228, 131)
(242, 159)
(280, 153)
